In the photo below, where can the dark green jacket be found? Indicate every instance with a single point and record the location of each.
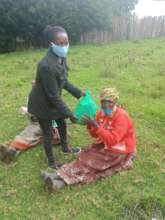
(45, 100)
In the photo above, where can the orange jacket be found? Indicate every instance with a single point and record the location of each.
(115, 131)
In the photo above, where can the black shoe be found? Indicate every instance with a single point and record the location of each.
(12, 154)
(7, 153)
(54, 165)
(74, 150)
(3, 150)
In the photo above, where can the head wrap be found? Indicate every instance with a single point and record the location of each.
(109, 94)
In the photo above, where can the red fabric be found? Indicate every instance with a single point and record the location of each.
(23, 146)
(94, 163)
(115, 130)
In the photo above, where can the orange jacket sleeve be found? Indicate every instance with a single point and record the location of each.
(113, 137)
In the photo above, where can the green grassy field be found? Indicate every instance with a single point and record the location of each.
(137, 70)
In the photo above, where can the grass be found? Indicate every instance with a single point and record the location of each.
(137, 70)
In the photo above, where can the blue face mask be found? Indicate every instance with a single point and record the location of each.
(107, 111)
(60, 51)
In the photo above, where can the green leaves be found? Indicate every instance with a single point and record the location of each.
(25, 20)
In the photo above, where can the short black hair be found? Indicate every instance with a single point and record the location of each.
(49, 32)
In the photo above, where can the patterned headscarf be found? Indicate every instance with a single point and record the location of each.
(109, 94)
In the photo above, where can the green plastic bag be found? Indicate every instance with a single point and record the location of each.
(54, 124)
(86, 106)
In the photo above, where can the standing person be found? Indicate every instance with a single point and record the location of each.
(45, 100)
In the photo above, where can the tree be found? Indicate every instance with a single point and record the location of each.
(26, 19)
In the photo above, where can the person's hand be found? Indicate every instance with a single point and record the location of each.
(73, 119)
(83, 93)
(90, 122)
(24, 110)
(33, 83)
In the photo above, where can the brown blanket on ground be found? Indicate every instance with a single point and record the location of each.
(94, 163)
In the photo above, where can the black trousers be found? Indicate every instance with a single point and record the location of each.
(46, 126)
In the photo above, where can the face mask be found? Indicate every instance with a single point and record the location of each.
(107, 111)
(60, 51)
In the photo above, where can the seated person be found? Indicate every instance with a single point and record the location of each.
(28, 138)
(113, 150)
